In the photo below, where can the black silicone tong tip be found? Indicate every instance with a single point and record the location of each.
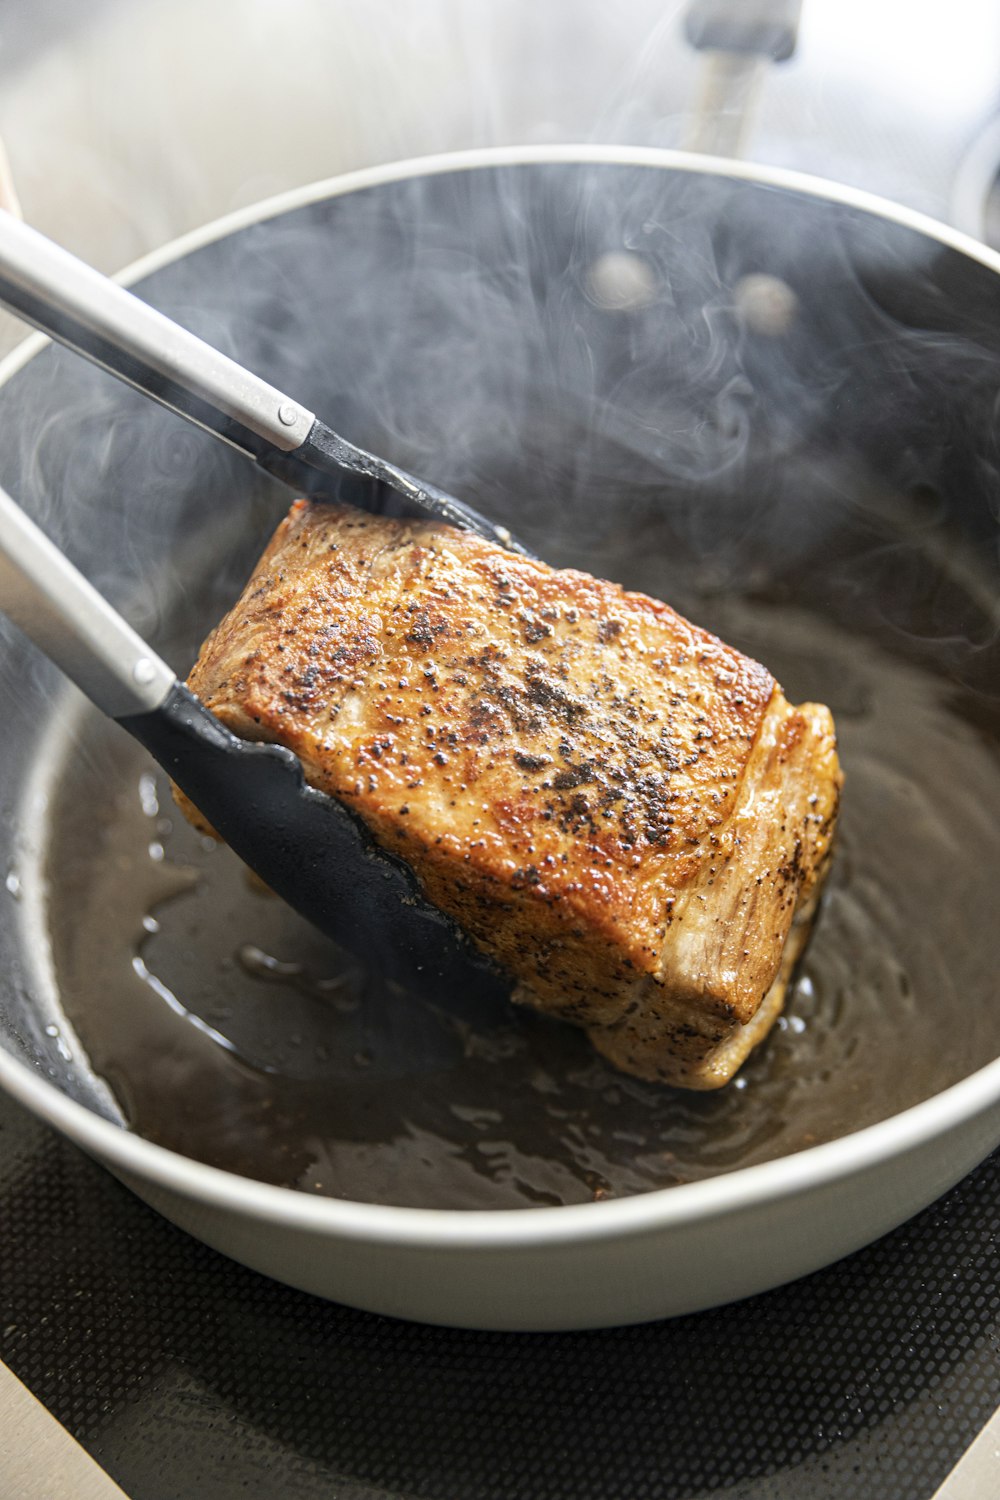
(328, 467)
(313, 852)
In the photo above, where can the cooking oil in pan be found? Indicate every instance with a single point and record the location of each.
(231, 1031)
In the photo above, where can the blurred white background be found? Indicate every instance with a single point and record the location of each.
(130, 121)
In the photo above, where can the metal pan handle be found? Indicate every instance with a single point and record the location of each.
(56, 292)
(60, 612)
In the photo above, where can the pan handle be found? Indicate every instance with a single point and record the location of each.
(49, 599)
(64, 297)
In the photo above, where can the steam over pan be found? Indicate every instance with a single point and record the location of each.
(766, 400)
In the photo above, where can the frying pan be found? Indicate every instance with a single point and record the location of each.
(766, 398)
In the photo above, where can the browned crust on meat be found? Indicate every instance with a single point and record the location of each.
(572, 770)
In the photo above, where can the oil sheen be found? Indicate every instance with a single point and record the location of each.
(230, 1031)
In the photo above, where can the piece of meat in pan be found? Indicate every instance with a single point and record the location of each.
(622, 811)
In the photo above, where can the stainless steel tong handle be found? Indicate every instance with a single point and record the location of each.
(49, 599)
(52, 289)
(108, 325)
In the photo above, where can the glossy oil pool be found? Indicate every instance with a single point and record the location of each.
(230, 1031)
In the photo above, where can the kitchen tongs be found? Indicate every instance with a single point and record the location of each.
(308, 848)
(77, 306)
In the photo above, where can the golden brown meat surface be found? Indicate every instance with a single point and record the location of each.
(620, 809)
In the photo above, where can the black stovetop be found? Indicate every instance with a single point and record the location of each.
(186, 1375)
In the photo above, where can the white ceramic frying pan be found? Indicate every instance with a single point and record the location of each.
(799, 383)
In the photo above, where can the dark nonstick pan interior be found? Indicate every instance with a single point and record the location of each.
(777, 413)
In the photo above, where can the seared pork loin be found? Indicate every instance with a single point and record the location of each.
(619, 809)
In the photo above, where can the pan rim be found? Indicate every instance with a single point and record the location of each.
(439, 163)
(491, 1229)
(675, 1208)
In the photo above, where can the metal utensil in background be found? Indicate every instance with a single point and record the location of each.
(89, 313)
(308, 848)
(738, 43)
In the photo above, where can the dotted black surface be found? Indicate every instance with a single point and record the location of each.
(186, 1375)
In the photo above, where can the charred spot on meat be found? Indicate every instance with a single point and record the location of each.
(622, 811)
